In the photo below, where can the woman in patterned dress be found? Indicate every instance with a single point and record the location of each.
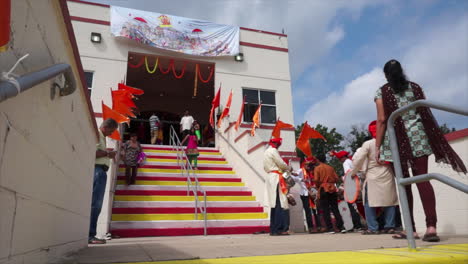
(131, 150)
(418, 136)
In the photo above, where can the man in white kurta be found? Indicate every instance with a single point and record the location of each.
(379, 189)
(275, 198)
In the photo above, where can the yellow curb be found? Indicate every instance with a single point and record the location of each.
(455, 254)
(162, 217)
(182, 198)
(180, 183)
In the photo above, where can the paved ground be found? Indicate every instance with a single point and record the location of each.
(201, 249)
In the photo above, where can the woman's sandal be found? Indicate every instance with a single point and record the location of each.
(370, 232)
(431, 238)
(403, 236)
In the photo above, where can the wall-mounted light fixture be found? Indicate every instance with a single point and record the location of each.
(96, 37)
(239, 57)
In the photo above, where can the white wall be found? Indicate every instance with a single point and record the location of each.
(46, 146)
(451, 204)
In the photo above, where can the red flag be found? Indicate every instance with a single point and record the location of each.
(226, 109)
(214, 104)
(130, 89)
(303, 142)
(277, 129)
(255, 120)
(239, 119)
(109, 113)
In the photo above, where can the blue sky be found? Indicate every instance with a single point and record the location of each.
(337, 48)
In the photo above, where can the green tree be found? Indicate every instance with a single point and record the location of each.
(445, 129)
(322, 148)
(356, 137)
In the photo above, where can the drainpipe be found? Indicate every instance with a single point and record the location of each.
(11, 88)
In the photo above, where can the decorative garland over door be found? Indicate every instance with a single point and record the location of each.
(171, 66)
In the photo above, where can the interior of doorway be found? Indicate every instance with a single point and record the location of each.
(168, 93)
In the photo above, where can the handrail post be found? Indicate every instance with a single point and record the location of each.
(187, 170)
(397, 163)
(401, 189)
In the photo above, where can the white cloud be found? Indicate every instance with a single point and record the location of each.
(352, 105)
(436, 58)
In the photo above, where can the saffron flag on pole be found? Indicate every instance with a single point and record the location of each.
(132, 90)
(226, 109)
(256, 120)
(303, 142)
(214, 104)
(120, 102)
(239, 119)
(277, 129)
(107, 112)
(124, 97)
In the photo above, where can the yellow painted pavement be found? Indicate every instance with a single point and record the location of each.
(162, 217)
(183, 183)
(181, 198)
(455, 254)
(179, 171)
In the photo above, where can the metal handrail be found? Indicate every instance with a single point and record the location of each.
(187, 170)
(419, 178)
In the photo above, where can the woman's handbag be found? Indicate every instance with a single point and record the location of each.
(141, 159)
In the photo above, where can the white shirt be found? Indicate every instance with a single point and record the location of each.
(299, 180)
(186, 122)
(347, 165)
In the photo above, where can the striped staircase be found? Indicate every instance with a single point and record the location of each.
(158, 204)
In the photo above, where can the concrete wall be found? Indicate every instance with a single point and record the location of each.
(46, 146)
(451, 204)
(263, 69)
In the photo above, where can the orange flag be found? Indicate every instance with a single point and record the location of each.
(277, 129)
(214, 104)
(109, 113)
(239, 119)
(255, 120)
(132, 90)
(123, 97)
(303, 142)
(226, 109)
(116, 135)
(122, 109)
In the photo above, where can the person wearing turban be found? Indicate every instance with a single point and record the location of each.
(275, 188)
(379, 189)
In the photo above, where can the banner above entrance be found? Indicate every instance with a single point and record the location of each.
(194, 37)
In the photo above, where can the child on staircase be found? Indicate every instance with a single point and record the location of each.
(192, 147)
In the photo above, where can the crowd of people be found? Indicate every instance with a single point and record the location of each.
(418, 136)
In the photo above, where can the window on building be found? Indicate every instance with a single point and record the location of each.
(252, 100)
(89, 80)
